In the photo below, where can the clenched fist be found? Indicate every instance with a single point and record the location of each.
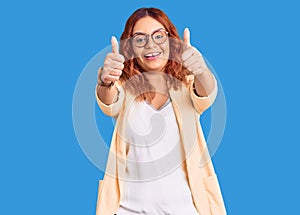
(113, 65)
(192, 59)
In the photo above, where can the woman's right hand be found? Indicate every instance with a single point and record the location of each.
(113, 64)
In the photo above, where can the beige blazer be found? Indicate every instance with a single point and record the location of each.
(202, 179)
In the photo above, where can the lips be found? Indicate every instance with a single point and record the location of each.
(152, 55)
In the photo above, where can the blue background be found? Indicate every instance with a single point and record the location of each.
(252, 45)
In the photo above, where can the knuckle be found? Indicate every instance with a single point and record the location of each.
(120, 66)
(106, 63)
(110, 55)
(103, 76)
(118, 72)
(121, 57)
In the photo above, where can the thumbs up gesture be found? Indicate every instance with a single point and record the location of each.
(113, 65)
(192, 59)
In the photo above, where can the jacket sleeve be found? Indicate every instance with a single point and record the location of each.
(201, 103)
(114, 108)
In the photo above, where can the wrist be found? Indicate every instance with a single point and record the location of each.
(107, 85)
(102, 83)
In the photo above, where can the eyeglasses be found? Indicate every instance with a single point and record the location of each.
(140, 39)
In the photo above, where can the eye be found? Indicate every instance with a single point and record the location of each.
(139, 39)
(159, 36)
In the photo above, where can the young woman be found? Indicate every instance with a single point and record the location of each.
(156, 87)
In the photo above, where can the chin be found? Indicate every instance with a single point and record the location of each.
(155, 66)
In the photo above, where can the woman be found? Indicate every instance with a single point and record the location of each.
(157, 87)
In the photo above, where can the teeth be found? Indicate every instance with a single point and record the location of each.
(152, 54)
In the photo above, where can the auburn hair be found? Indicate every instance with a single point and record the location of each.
(132, 75)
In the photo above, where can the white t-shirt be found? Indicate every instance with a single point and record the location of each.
(156, 180)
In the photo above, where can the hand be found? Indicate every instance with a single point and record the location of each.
(113, 64)
(192, 59)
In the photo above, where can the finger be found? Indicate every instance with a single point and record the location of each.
(116, 57)
(191, 61)
(114, 45)
(119, 67)
(186, 37)
(195, 67)
(187, 54)
(116, 72)
(112, 64)
(111, 78)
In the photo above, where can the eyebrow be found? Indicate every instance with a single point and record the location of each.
(138, 32)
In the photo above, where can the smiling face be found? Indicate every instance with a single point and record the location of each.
(152, 57)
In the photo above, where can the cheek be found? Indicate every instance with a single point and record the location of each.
(166, 49)
(137, 52)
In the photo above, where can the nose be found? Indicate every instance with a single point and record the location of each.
(150, 44)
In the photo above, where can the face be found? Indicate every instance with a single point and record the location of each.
(153, 56)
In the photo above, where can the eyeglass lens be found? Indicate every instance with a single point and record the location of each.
(159, 37)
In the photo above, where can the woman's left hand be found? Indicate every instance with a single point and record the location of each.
(192, 59)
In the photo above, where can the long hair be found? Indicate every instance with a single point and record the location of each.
(132, 75)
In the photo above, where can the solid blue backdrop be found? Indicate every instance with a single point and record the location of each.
(253, 47)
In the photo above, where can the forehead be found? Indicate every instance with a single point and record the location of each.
(147, 25)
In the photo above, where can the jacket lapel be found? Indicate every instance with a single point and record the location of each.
(186, 120)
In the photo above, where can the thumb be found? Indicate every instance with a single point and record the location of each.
(186, 36)
(114, 45)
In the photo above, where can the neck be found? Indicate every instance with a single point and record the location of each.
(157, 80)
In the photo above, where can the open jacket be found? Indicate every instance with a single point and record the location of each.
(201, 176)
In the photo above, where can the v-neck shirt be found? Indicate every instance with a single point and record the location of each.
(156, 180)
